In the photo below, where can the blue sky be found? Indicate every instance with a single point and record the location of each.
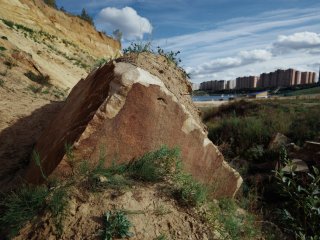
(218, 39)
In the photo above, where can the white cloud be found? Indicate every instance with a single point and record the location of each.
(226, 45)
(241, 59)
(299, 40)
(127, 20)
(255, 55)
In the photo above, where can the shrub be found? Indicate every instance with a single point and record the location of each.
(21, 206)
(116, 224)
(300, 212)
(41, 79)
(4, 38)
(187, 191)
(2, 48)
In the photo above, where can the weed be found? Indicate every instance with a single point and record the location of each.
(41, 79)
(116, 224)
(21, 206)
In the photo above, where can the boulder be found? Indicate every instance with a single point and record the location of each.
(297, 165)
(126, 108)
(277, 141)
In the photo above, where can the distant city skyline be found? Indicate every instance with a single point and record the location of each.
(279, 78)
(219, 39)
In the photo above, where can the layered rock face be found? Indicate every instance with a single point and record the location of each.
(125, 109)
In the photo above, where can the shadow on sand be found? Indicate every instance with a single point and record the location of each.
(17, 141)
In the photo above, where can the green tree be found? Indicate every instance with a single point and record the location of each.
(117, 34)
(51, 3)
(85, 16)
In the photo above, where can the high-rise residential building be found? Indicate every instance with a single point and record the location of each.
(278, 78)
(297, 80)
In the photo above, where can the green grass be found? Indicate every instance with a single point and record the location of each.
(314, 90)
(21, 206)
(230, 223)
(248, 127)
(57, 205)
(116, 225)
(154, 166)
(187, 191)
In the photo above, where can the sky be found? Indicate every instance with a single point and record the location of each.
(218, 39)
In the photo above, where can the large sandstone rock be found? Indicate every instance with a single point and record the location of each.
(127, 108)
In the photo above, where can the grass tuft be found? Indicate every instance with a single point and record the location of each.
(21, 206)
(116, 224)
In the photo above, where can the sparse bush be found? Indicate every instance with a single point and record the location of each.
(40, 78)
(2, 48)
(4, 38)
(116, 224)
(1, 83)
(138, 48)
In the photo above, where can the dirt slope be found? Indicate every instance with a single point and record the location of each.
(43, 54)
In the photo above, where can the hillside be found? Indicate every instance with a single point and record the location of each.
(43, 54)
